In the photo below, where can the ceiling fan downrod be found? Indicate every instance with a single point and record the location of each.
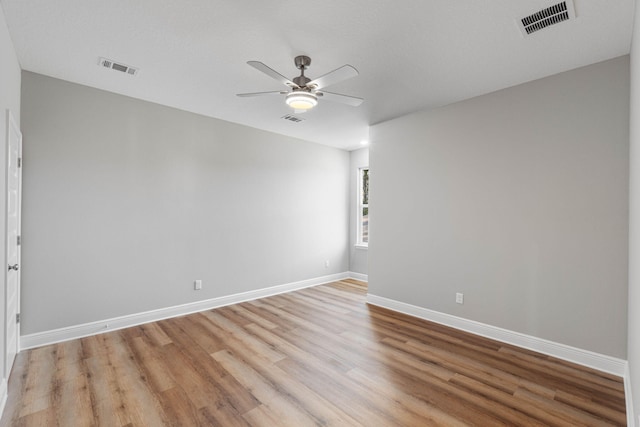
(302, 63)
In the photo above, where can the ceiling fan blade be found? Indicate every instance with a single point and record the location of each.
(273, 92)
(343, 73)
(272, 73)
(343, 99)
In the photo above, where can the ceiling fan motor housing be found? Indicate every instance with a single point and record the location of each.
(301, 81)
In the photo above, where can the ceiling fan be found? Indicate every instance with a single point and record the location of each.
(304, 92)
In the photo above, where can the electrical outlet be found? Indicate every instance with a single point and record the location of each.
(197, 285)
(459, 298)
(326, 264)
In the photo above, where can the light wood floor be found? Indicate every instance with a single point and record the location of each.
(317, 357)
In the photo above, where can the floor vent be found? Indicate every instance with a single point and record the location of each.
(292, 118)
(108, 63)
(555, 14)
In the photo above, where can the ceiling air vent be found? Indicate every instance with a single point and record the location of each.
(552, 15)
(108, 63)
(292, 118)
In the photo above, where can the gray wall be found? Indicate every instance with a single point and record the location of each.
(633, 352)
(126, 203)
(518, 199)
(9, 99)
(357, 255)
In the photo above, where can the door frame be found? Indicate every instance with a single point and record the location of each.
(12, 127)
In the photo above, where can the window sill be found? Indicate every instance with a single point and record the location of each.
(362, 246)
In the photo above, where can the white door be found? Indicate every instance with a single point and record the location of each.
(12, 291)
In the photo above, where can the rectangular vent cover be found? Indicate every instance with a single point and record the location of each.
(555, 14)
(108, 63)
(292, 118)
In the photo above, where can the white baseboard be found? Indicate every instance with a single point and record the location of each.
(359, 276)
(587, 358)
(629, 397)
(79, 331)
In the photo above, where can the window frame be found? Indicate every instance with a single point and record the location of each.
(361, 206)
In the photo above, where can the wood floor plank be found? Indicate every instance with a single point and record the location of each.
(571, 415)
(362, 403)
(201, 391)
(262, 416)
(43, 418)
(252, 317)
(107, 405)
(320, 356)
(72, 402)
(227, 390)
(155, 334)
(238, 337)
(431, 415)
(151, 365)
(261, 311)
(141, 405)
(283, 408)
(39, 381)
(524, 414)
(212, 416)
(591, 407)
(589, 379)
(441, 393)
(304, 397)
(201, 332)
(178, 407)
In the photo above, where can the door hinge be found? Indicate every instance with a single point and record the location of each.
(18, 240)
(19, 162)
(17, 317)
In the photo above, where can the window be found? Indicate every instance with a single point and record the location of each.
(363, 207)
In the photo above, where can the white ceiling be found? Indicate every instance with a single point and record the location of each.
(411, 54)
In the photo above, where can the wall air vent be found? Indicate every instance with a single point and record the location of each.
(108, 63)
(555, 14)
(292, 118)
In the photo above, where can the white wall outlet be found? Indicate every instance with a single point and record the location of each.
(326, 264)
(197, 285)
(459, 298)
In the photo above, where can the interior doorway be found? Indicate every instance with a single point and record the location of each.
(12, 270)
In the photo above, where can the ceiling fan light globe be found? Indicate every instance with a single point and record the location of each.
(301, 100)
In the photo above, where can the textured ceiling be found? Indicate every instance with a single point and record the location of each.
(411, 54)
